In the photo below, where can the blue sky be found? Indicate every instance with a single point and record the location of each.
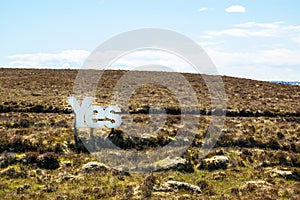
(245, 38)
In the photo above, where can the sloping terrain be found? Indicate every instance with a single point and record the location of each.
(256, 157)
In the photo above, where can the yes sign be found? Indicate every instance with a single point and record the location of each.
(92, 116)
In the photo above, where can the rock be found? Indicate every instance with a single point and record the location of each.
(185, 196)
(214, 163)
(95, 166)
(258, 183)
(250, 186)
(120, 170)
(286, 174)
(171, 186)
(65, 177)
(98, 166)
(176, 163)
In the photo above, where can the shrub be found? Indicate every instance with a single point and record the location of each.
(48, 160)
(147, 185)
(202, 184)
(24, 123)
(31, 157)
(283, 158)
(6, 159)
(206, 188)
(273, 144)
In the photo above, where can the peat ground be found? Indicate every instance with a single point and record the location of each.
(257, 155)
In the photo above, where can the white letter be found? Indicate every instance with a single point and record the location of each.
(90, 116)
(117, 118)
(80, 111)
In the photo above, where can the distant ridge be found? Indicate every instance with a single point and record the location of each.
(287, 82)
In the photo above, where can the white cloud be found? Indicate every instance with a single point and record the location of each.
(66, 65)
(296, 39)
(272, 64)
(275, 58)
(67, 58)
(238, 32)
(271, 57)
(265, 51)
(236, 9)
(254, 29)
(153, 57)
(259, 25)
(75, 58)
(206, 44)
(203, 9)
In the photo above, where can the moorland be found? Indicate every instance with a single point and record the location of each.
(257, 155)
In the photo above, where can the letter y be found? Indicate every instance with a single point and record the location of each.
(80, 110)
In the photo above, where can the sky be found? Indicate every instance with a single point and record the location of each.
(244, 38)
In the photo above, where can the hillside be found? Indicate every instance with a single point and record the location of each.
(256, 157)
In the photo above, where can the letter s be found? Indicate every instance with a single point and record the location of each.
(117, 118)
